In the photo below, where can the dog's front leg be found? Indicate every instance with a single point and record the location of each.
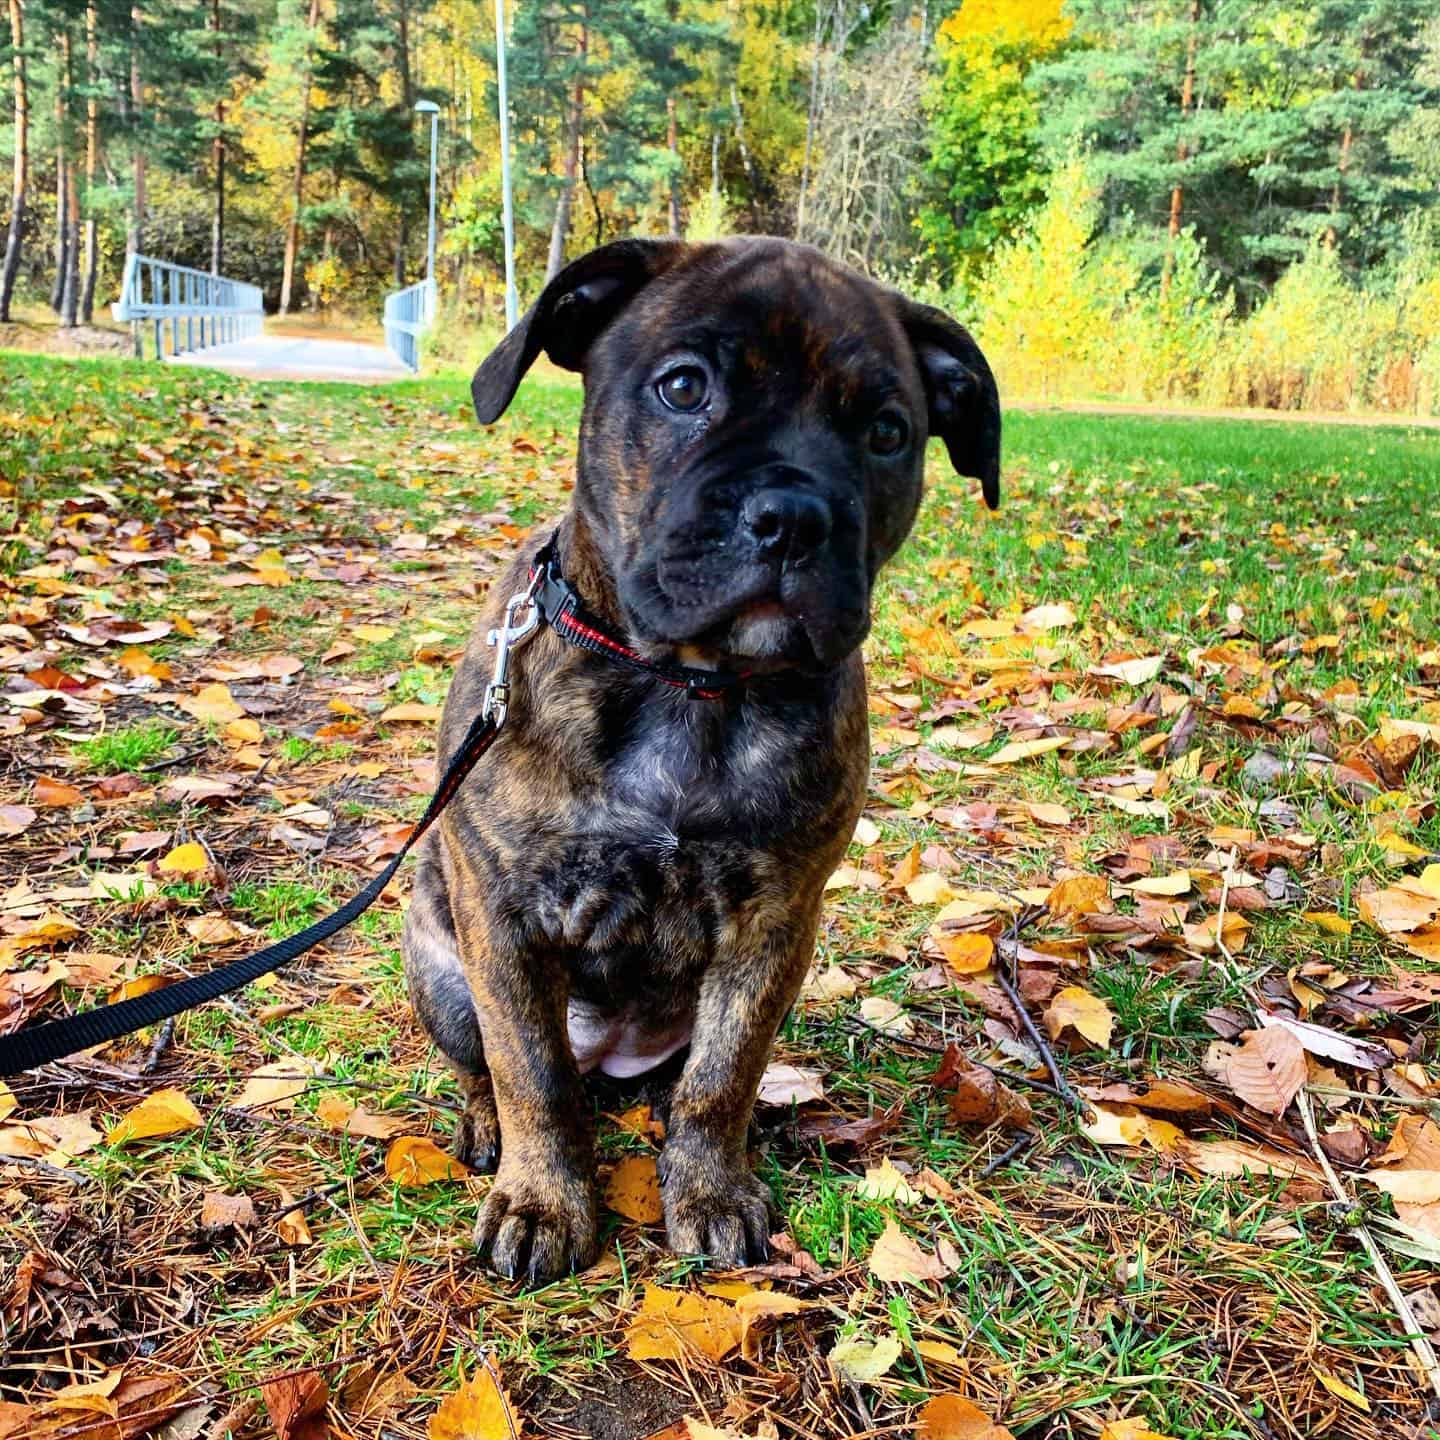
(714, 1205)
(538, 1221)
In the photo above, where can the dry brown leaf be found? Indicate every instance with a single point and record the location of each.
(414, 1160)
(1173, 1097)
(899, 1260)
(220, 1210)
(478, 1410)
(15, 819)
(166, 1112)
(296, 1405)
(1235, 1159)
(411, 712)
(1399, 909)
(634, 1190)
(1267, 1070)
(52, 794)
(674, 1323)
(790, 1085)
(338, 1113)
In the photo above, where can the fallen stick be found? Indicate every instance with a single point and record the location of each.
(1419, 1341)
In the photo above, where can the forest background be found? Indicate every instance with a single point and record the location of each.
(1223, 202)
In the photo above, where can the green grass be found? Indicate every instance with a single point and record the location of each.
(132, 748)
(1087, 1285)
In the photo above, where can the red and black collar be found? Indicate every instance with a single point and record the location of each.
(561, 608)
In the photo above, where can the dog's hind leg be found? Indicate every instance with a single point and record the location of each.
(443, 1004)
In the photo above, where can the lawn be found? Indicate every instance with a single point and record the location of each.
(1157, 746)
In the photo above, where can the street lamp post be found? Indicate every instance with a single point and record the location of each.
(512, 304)
(430, 108)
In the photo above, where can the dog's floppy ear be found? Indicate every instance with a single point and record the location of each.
(571, 311)
(961, 393)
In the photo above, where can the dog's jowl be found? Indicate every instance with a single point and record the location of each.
(636, 869)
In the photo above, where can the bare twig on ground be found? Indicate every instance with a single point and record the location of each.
(1419, 1341)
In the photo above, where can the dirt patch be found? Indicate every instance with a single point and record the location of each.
(620, 1407)
(52, 340)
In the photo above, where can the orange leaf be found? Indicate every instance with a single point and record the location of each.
(952, 1417)
(413, 1161)
(967, 953)
(55, 794)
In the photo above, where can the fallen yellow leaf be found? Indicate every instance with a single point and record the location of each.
(1345, 1392)
(413, 1160)
(479, 1410)
(187, 859)
(634, 1190)
(166, 1112)
(1076, 1009)
(672, 1323)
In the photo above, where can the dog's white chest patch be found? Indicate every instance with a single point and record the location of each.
(623, 1043)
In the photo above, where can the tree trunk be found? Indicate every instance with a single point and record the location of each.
(22, 160)
(715, 169)
(217, 155)
(672, 140)
(1182, 150)
(811, 115)
(292, 235)
(57, 290)
(92, 152)
(70, 295)
(746, 163)
(135, 241)
(565, 202)
(407, 91)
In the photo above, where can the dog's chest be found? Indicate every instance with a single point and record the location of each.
(646, 872)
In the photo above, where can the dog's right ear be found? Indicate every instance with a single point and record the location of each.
(572, 310)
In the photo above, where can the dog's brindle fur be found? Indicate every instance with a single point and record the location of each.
(628, 858)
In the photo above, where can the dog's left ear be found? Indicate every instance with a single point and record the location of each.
(572, 310)
(960, 390)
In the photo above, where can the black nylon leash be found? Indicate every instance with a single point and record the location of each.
(554, 602)
(40, 1044)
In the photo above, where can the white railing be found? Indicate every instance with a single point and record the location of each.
(206, 309)
(408, 315)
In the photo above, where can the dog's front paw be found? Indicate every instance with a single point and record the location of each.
(477, 1133)
(718, 1208)
(537, 1225)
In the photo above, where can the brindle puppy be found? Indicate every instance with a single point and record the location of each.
(633, 870)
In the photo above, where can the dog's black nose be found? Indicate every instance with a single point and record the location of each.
(786, 523)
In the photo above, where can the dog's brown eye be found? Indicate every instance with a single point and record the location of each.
(888, 434)
(684, 389)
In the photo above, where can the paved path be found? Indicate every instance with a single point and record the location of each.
(290, 357)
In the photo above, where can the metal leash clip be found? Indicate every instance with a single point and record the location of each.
(511, 633)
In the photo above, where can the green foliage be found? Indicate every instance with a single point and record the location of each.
(984, 168)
